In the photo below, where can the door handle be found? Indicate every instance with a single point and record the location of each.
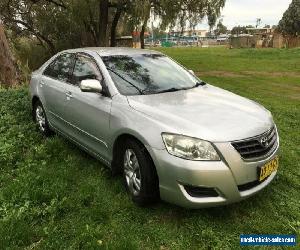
(69, 95)
(42, 83)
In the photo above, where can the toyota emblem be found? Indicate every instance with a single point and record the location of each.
(264, 142)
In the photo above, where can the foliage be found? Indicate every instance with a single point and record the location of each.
(182, 12)
(30, 53)
(55, 27)
(55, 196)
(290, 22)
(158, 33)
(241, 30)
(173, 14)
(238, 30)
(221, 29)
(258, 22)
(63, 24)
(69, 24)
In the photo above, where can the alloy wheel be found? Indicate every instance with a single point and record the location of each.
(132, 172)
(40, 118)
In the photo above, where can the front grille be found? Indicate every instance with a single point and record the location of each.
(201, 192)
(258, 146)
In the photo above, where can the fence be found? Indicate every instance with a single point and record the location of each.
(293, 42)
(265, 41)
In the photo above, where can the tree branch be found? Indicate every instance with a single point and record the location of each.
(37, 34)
(58, 3)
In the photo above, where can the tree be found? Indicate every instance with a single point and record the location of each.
(120, 8)
(239, 30)
(49, 21)
(172, 14)
(258, 22)
(61, 24)
(290, 22)
(183, 12)
(221, 29)
(8, 71)
(103, 22)
(139, 15)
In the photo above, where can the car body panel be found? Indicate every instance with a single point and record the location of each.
(174, 173)
(87, 112)
(206, 112)
(53, 96)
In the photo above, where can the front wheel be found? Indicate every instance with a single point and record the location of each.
(139, 173)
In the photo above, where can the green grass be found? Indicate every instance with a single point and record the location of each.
(236, 60)
(53, 195)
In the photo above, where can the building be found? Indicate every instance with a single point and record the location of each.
(260, 31)
(190, 33)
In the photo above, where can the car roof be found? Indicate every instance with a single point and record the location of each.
(113, 51)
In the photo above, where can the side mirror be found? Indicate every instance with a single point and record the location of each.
(90, 85)
(192, 72)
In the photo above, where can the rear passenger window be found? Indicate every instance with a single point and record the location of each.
(85, 68)
(61, 67)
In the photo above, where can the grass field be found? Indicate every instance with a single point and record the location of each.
(53, 195)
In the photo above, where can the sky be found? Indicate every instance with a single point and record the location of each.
(245, 12)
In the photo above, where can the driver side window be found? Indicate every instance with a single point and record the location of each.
(85, 68)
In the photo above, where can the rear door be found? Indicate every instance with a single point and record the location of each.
(88, 113)
(53, 84)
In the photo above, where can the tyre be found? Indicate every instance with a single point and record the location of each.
(139, 173)
(40, 118)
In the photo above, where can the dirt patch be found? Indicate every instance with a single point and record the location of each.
(219, 73)
(273, 74)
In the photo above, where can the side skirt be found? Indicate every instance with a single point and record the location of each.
(97, 156)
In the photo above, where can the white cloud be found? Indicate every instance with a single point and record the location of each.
(245, 12)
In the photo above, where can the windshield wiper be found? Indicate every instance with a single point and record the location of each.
(178, 89)
(119, 75)
(171, 90)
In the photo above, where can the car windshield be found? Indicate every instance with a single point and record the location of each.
(148, 74)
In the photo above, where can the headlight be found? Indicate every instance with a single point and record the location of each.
(189, 148)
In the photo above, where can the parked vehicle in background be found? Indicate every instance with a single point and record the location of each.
(171, 135)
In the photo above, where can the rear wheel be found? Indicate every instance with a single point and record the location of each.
(40, 118)
(139, 173)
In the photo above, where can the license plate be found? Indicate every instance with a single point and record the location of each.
(267, 169)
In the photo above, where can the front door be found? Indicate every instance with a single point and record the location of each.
(88, 113)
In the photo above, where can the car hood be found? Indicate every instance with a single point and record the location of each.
(206, 112)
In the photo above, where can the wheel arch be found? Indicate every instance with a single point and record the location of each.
(34, 99)
(117, 147)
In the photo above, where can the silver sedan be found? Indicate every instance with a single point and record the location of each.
(171, 135)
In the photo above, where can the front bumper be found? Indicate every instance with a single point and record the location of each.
(225, 177)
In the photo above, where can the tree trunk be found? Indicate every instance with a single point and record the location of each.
(103, 22)
(114, 26)
(50, 45)
(8, 71)
(142, 34)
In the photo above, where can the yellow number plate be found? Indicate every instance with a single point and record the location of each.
(268, 169)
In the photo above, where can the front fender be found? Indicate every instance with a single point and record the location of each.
(126, 120)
